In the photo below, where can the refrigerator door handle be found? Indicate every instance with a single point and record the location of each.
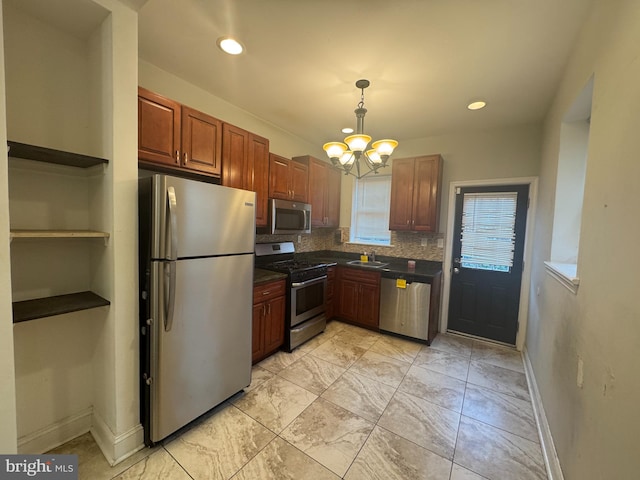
(172, 207)
(169, 294)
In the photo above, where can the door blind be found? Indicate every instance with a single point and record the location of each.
(488, 231)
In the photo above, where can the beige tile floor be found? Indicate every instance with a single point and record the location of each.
(356, 404)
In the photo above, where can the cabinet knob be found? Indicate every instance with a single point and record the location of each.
(186, 157)
(408, 222)
(177, 156)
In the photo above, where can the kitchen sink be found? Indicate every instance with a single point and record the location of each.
(371, 264)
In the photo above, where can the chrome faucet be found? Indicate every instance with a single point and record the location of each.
(373, 256)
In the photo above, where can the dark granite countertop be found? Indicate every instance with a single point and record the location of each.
(263, 276)
(396, 267)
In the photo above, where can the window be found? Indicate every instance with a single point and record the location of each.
(572, 167)
(488, 231)
(370, 212)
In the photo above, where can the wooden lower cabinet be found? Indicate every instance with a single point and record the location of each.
(331, 285)
(269, 307)
(358, 299)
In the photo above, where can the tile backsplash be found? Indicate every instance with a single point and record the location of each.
(403, 244)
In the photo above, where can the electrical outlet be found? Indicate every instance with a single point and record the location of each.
(299, 238)
(441, 243)
(580, 377)
(424, 242)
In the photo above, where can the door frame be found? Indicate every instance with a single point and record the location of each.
(523, 310)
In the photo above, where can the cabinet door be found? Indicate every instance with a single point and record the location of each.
(279, 177)
(158, 129)
(331, 284)
(369, 305)
(348, 299)
(318, 172)
(299, 181)
(332, 209)
(257, 333)
(235, 150)
(426, 195)
(274, 324)
(401, 194)
(201, 142)
(257, 176)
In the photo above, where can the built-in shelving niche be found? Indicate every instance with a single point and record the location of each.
(58, 304)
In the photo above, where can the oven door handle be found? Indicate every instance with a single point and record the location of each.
(308, 282)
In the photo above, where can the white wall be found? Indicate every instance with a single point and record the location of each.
(595, 428)
(47, 104)
(76, 94)
(8, 432)
(500, 153)
(121, 147)
(171, 86)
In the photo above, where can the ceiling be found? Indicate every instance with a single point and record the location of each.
(426, 59)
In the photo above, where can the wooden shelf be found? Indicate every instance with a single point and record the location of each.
(57, 305)
(49, 155)
(58, 234)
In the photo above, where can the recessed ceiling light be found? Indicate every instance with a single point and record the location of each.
(477, 105)
(230, 45)
(347, 130)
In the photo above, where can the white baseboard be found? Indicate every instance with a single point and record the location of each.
(116, 448)
(56, 434)
(551, 460)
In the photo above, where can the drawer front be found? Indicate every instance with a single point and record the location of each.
(267, 291)
(360, 276)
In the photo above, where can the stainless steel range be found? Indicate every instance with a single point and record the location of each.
(307, 291)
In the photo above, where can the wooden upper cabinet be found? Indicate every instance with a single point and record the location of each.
(258, 176)
(176, 136)
(279, 177)
(332, 209)
(245, 165)
(201, 142)
(235, 151)
(324, 193)
(299, 182)
(288, 179)
(158, 129)
(415, 193)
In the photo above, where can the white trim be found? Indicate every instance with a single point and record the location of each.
(116, 448)
(551, 460)
(565, 273)
(56, 434)
(528, 249)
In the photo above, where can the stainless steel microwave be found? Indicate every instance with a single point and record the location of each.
(286, 217)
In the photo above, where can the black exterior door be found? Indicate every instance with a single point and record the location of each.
(488, 251)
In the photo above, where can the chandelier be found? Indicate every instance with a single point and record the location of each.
(348, 154)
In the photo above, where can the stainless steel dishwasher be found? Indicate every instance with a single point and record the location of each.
(404, 307)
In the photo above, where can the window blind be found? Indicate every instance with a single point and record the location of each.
(488, 231)
(370, 213)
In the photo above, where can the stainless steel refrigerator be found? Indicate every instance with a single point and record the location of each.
(196, 289)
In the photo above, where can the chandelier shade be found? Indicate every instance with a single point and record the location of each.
(348, 154)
